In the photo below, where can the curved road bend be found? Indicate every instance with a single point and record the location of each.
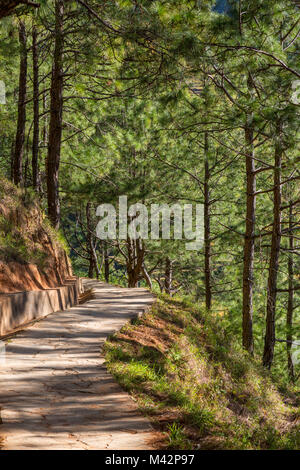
(55, 390)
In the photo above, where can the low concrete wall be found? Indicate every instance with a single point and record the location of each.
(20, 308)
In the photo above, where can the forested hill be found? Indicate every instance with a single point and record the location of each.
(166, 103)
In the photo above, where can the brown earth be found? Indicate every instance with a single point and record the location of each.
(31, 254)
(16, 277)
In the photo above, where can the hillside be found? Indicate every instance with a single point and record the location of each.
(32, 256)
(156, 145)
(195, 384)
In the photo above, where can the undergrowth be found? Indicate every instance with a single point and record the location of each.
(197, 385)
(21, 224)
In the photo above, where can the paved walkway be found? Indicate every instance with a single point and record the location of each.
(55, 392)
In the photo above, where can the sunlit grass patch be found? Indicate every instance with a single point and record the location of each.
(196, 385)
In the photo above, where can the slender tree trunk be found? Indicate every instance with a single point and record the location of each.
(106, 262)
(25, 169)
(161, 284)
(207, 241)
(249, 241)
(274, 256)
(89, 244)
(55, 127)
(12, 156)
(146, 276)
(93, 262)
(36, 131)
(98, 273)
(91, 266)
(20, 135)
(45, 125)
(132, 280)
(240, 18)
(290, 307)
(168, 276)
(44, 139)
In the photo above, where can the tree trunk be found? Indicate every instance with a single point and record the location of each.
(136, 254)
(36, 131)
(106, 262)
(207, 241)
(55, 127)
(91, 266)
(274, 255)
(249, 241)
(132, 281)
(12, 156)
(161, 283)
(290, 307)
(168, 276)
(93, 262)
(146, 276)
(20, 135)
(45, 124)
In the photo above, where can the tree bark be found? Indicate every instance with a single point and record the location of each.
(93, 262)
(290, 306)
(168, 276)
(20, 135)
(132, 281)
(12, 156)
(146, 276)
(207, 241)
(249, 240)
(36, 130)
(45, 124)
(274, 255)
(135, 260)
(55, 127)
(161, 283)
(106, 262)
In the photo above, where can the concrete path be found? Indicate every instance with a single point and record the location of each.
(55, 392)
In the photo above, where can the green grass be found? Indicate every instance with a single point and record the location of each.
(177, 438)
(196, 383)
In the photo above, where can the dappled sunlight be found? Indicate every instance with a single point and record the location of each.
(56, 391)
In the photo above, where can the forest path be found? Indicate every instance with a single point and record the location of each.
(55, 391)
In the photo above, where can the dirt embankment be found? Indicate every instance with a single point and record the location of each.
(32, 256)
(198, 387)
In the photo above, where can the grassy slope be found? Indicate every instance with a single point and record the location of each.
(196, 386)
(21, 223)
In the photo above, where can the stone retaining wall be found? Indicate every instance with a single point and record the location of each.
(20, 308)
